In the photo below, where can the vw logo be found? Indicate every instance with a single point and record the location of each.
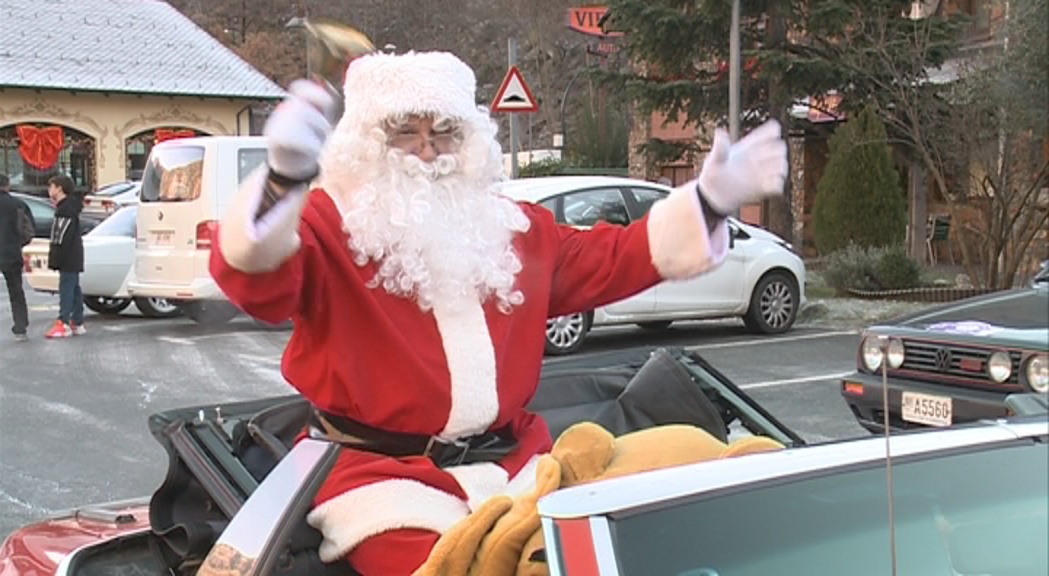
(160, 215)
(943, 360)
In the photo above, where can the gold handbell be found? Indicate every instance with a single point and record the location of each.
(331, 46)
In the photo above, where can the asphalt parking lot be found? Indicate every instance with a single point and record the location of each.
(73, 413)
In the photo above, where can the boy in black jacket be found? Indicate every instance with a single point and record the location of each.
(67, 256)
(14, 215)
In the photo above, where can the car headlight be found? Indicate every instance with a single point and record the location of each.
(896, 354)
(1038, 373)
(871, 352)
(999, 367)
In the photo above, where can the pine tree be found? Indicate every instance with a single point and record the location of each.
(859, 199)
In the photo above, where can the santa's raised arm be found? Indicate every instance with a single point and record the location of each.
(420, 295)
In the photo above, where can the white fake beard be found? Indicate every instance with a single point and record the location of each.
(437, 233)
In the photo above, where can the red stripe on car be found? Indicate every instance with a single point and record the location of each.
(577, 547)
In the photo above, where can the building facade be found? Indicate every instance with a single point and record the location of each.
(92, 85)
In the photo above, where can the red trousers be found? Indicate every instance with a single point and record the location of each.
(393, 553)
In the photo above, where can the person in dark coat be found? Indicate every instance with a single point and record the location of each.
(15, 217)
(66, 255)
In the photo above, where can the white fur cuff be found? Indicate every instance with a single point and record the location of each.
(262, 245)
(678, 238)
(350, 518)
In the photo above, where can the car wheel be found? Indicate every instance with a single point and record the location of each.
(157, 307)
(209, 312)
(104, 305)
(565, 334)
(655, 326)
(773, 304)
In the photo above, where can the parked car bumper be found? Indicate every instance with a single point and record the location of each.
(198, 289)
(863, 393)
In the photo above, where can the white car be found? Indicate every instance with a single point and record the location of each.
(111, 197)
(109, 258)
(762, 280)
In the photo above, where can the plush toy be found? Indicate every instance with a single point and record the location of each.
(504, 537)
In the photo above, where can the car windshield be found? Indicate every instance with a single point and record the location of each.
(982, 512)
(121, 223)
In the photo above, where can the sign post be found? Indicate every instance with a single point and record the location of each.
(514, 96)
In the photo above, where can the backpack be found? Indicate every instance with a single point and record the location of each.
(26, 226)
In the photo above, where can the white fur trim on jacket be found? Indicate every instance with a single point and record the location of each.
(678, 238)
(483, 480)
(470, 356)
(351, 517)
(262, 245)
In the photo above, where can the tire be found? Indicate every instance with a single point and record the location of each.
(773, 304)
(565, 334)
(107, 306)
(281, 327)
(209, 312)
(157, 307)
(655, 326)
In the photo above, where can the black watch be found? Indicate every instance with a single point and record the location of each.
(288, 182)
(708, 211)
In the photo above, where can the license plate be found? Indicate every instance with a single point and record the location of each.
(162, 238)
(926, 409)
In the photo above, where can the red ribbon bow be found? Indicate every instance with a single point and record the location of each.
(162, 134)
(40, 147)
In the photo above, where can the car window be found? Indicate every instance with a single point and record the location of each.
(248, 159)
(838, 523)
(173, 174)
(121, 223)
(589, 207)
(550, 204)
(114, 189)
(645, 198)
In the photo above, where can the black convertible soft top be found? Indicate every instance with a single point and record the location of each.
(219, 454)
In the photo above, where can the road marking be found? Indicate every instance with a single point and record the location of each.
(774, 383)
(779, 340)
(192, 340)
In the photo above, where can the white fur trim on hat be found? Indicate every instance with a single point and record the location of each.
(678, 238)
(358, 514)
(380, 86)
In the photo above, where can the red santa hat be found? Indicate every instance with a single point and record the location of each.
(379, 86)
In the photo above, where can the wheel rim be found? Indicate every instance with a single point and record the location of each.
(110, 302)
(565, 331)
(777, 304)
(162, 305)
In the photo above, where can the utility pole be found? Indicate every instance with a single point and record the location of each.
(733, 74)
(511, 45)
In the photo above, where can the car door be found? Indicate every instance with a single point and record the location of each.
(720, 290)
(584, 209)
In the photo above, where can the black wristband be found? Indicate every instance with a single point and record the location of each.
(708, 211)
(288, 182)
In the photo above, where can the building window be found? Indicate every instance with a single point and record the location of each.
(75, 159)
(138, 146)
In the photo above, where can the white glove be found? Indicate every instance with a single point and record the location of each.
(744, 172)
(297, 129)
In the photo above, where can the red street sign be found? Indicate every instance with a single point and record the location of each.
(587, 19)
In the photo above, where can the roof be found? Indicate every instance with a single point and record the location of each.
(131, 46)
(536, 190)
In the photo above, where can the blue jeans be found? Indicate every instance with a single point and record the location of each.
(70, 298)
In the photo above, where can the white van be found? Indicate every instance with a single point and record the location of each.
(186, 187)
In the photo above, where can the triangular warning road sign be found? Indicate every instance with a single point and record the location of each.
(514, 95)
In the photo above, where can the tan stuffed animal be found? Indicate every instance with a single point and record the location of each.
(502, 537)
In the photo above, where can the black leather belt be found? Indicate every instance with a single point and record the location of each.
(487, 447)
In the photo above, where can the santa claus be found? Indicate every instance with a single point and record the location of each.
(419, 294)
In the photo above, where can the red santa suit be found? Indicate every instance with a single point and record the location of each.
(455, 370)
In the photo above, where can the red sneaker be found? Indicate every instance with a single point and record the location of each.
(59, 330)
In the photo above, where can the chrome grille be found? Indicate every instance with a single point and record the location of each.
(947, 360)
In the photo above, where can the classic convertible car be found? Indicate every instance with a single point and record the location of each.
(237, 490)
(954, 363)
